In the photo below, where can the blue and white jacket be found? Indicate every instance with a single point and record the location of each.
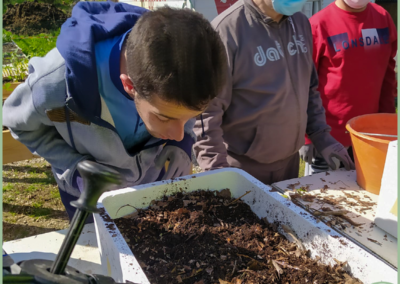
(58, 112)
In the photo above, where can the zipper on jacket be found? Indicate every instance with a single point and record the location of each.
(139, 168)
(291, 22)
(203, 133)
(67, 120)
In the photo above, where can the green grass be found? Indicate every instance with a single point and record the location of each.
(7, 187)
(38, 45)
(37, 204)
(7, 36)
(31, 201)
(55, 194)
(39, 211)
(8, 199)
(35, 46)
(31, 188)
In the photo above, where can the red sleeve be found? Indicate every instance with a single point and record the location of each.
(389, 86)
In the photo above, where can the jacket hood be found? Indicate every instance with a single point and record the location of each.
(256, 12)
(90, 22)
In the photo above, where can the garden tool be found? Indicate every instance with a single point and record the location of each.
(97, 179)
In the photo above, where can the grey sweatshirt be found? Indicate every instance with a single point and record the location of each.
(271, 98)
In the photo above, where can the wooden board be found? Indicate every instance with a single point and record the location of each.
(14, 150)
(338, 190)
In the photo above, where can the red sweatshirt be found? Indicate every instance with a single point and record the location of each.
(353, 54)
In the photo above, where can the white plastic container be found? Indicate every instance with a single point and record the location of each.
(119, 262)
(386, 214)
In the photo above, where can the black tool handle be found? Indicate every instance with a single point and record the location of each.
(97, 179)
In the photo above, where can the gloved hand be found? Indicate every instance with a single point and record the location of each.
(307, 153)
(338, 151)
(179, 155)
(329, 147)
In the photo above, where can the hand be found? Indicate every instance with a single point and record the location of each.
(307, 153)
(338, 151)
(179, 162)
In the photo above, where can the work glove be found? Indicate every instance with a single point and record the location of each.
(307, 153)
(329, 147)
(179, 155)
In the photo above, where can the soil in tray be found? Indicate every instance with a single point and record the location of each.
(32, 18)
(208, 237)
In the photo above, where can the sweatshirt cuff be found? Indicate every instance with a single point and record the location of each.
(77, 181)
(186, 144)
(323, 140)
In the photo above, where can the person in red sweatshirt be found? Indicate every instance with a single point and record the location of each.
(354, 45)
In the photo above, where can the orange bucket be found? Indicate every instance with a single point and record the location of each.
(370, 151)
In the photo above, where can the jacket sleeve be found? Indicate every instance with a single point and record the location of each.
(32, 128)
(316, 121)
(318, 50)
(318, 44)
(209, 149)
(389, 90)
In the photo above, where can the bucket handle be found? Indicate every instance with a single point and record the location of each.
(376, 134)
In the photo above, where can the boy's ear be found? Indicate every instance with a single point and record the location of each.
(128, 85)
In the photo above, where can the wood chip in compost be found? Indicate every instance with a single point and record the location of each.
(176, 241)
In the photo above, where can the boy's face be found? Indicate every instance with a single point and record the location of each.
(165, 120)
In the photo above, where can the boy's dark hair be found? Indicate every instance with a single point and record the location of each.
(177, 55)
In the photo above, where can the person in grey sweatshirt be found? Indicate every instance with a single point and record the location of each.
(257, 123)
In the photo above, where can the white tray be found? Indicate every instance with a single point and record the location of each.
(119, 262)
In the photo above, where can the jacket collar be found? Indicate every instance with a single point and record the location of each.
(114, 63)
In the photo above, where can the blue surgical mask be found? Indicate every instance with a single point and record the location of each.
(288, 7)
